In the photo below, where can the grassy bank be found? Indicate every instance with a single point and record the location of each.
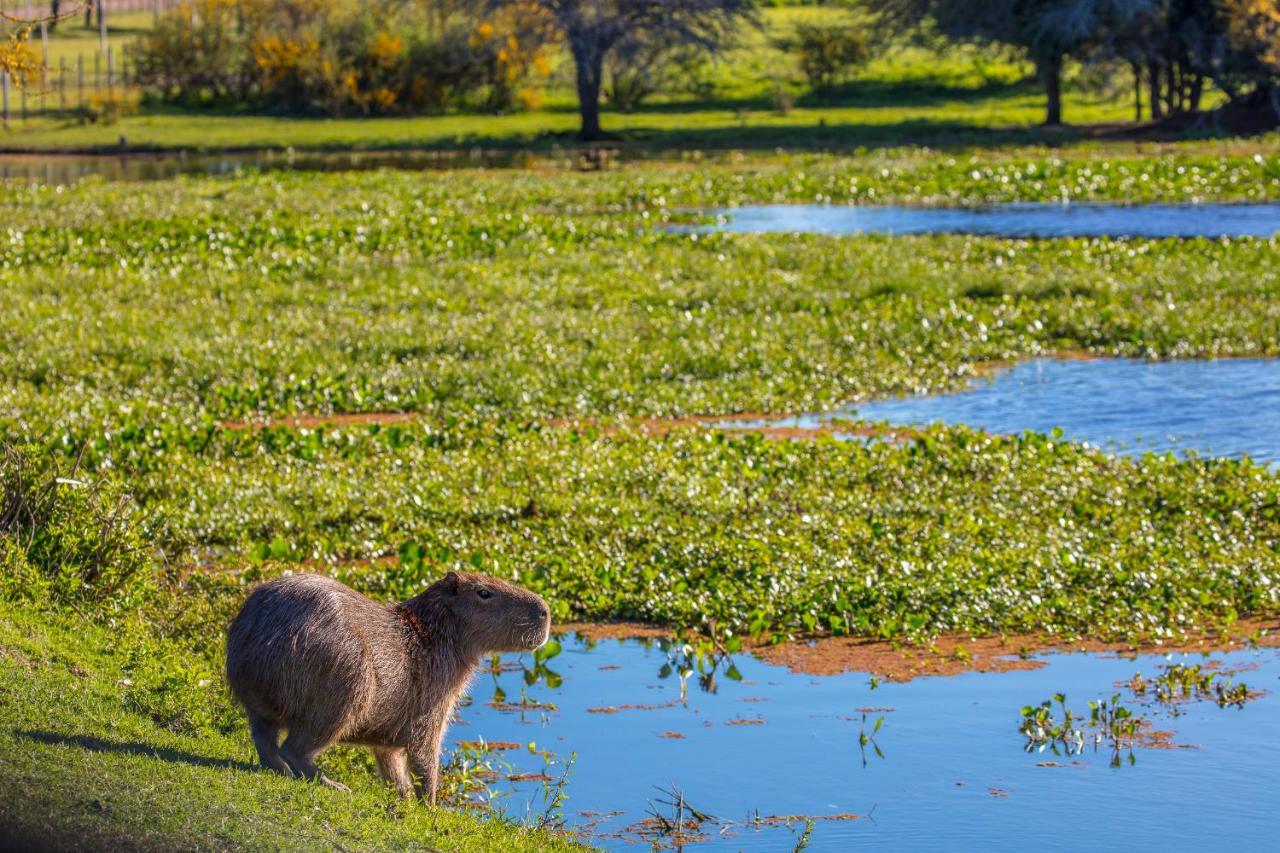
(88, 760)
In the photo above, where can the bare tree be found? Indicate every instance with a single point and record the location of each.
(594, 28)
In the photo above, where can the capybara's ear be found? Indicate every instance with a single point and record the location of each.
(451, 582)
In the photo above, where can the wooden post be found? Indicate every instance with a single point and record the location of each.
(102, 25)
(111, 71)
(4, 84)
(44, 61)
(80, 74)
(62, 83)
(97, 72)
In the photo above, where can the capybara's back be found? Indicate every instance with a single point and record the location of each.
(298, 659)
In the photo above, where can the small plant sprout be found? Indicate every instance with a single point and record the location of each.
(866, 738)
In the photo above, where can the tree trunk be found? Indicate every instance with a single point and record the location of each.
(1049, 70)
(1197, 91)
(1136, 68)
(1153, 85)
(588, 61)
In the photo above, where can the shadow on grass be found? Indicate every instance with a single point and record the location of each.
(146, 750)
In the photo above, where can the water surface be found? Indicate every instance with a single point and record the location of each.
(1029, 219)
(954, 773)
(1224, 407)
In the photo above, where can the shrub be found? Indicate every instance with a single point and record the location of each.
(343, 58)
(65, 537)
(108, 106)
(827, 53)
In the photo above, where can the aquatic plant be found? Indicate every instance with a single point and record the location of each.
(1177, 683)
(1063, 731)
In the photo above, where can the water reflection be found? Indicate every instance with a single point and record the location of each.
(1087, 219)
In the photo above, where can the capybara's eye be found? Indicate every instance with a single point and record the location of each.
(484, 593)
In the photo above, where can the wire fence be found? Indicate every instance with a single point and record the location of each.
(83, 71)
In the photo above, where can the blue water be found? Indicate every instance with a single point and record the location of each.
(1225, 407)
(954, 773)
(1011, 220)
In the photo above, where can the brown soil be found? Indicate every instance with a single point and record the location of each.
(314, 421)
(613, 709)
(493, 745)
(784, 819)
(948, 655)
(614, 631)
(521, 707)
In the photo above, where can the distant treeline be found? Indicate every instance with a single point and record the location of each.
(1174, 48)
(386, 57)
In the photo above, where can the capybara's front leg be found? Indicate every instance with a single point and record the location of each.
(425, 757)
(393, 763)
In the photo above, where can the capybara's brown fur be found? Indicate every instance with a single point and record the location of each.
(324, 662)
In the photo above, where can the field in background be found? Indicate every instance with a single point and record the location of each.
(965, 96)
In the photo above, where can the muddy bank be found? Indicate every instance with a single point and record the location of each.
(947, 655)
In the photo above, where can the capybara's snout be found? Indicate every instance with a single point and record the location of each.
(539, 624)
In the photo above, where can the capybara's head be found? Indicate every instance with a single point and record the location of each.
(493, 615)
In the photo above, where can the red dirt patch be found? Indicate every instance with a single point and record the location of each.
(493, 745)
(783, 819)
(314, 421)
(613, 709)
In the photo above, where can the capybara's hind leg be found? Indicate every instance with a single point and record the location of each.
(393, 763)
(266, 737)
(300, 749)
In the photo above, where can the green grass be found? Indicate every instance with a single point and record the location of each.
(964, 96)
(84, 765)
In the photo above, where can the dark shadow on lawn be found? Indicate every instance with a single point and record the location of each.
(97, 744)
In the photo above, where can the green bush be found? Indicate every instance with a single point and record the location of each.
(64, 537)
(828, 53)
(341, 58)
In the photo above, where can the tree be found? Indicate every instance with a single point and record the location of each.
(1048, 30)
(595, 28)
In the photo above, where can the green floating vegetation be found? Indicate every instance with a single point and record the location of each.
(130, 307)
(953, 531)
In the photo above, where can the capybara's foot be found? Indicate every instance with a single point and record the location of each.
(337, 786)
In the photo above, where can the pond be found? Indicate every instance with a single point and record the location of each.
(139, 166)
(947, 768)
(1223, 407)
(1010, 220)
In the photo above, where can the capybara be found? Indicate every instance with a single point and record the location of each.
(318, 659)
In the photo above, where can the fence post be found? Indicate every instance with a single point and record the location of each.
(97, 72)
(102, 25)
(4, 84)
(62, 83)
(111, 71)
(22, 100)
(80, 74)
